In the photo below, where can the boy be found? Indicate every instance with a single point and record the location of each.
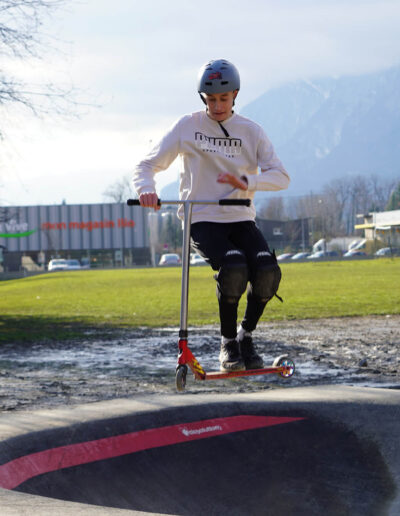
(221, 153)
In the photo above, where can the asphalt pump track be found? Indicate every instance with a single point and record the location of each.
(328, 450)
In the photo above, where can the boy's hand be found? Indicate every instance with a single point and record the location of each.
(149, 200)
(231, 179)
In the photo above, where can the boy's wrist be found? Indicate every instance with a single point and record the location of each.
(251, 182)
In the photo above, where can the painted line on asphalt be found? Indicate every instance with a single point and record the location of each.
(17, 471)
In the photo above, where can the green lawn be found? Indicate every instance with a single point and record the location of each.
(58, 305)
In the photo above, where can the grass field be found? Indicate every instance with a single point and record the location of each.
(58, 305)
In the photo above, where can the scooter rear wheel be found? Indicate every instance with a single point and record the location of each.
(180, 377)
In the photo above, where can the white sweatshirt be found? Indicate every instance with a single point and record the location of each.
(205, 152)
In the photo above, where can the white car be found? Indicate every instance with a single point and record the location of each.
(58, 264)
(196, 259)
(316, 255)
(300, 256)
(169, 259)
(73, 265)
(388, 251)
(354, 253)
(284, 256)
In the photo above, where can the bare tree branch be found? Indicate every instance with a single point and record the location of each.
(20, 25)
(22, 38)
(119, 191)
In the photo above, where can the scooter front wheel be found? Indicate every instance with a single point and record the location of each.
(287, 363)
(180, 377)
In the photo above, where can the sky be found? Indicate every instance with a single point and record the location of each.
(134, 66)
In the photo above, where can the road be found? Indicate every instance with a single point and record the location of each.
(331, 450)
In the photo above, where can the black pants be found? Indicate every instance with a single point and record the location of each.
(213, 240)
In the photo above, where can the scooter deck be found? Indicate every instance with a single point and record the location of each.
(217, 375)
(282, 366)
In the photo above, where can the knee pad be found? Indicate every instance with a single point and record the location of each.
(267, 276)
(232, 277)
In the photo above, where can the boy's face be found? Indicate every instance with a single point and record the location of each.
(219, 105)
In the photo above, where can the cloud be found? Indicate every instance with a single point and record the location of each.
(140, 61)
(152, 52)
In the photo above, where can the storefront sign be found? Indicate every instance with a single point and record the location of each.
(89, 225)
(14, 229)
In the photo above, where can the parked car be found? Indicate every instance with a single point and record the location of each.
(388, 251)
(354, 253)
(322, 254)
(384, 251)
(300, 256)
(169, 259)
(73, 265)
(57, 264)
(85, 263)
(316, 255)
(196, 259)
(284, 256)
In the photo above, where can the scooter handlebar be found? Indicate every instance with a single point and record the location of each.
(221, 202)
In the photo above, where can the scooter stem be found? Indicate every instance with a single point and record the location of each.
(183, 331)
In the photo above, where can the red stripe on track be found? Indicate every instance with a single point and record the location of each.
(17, 471)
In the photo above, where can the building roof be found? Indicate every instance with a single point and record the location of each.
(385, 219)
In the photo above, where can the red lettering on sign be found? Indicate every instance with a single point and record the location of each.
(126, 223)
(89, 225)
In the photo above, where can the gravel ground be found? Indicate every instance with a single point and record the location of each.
(352, 351)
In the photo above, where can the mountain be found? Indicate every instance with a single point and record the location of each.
(328, 128)
(170, 191)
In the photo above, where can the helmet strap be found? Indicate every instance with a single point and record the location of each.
(224, 130)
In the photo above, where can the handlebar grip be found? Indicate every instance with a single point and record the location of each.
(136, 202)
(235, 202)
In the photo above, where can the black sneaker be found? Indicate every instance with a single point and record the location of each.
(230, 358)
(252, 359)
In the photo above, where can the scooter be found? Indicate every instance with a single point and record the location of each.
(282, 365)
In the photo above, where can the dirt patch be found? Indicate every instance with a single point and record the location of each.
(351, 351)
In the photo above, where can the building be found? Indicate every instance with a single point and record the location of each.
(384, 226)
(280, 235)
(105, 235)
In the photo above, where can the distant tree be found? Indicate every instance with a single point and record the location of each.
(333, 211)
(357, 201)
(336, 194)
(119, 191)
(346, 197)
(394, 199)
(311, 207)
(171, 230)
(366, 194)
(273, 209)
(381, 190)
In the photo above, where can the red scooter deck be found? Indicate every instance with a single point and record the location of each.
(217, 375)
(282, 366)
